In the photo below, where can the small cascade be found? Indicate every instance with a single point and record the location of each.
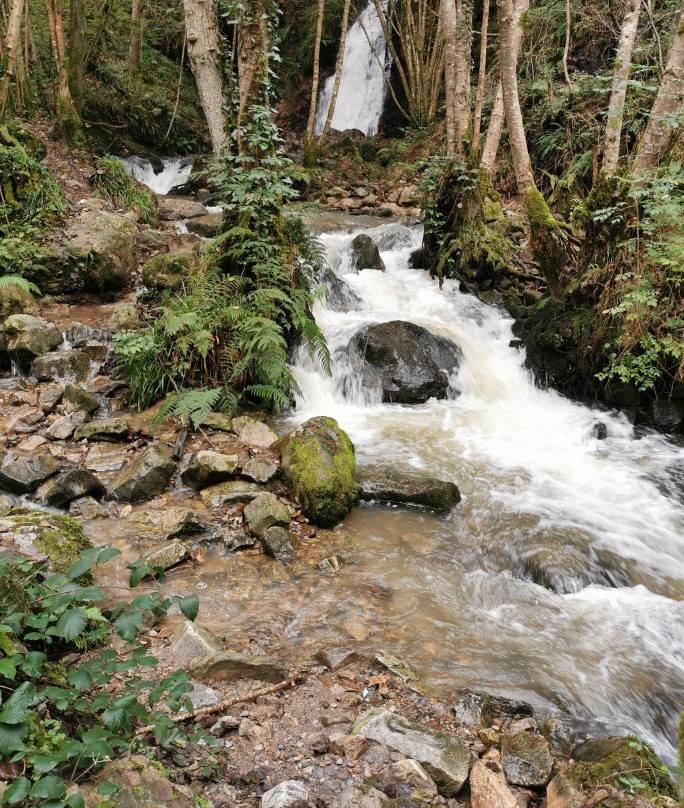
(361, 96)
(66, 345)
(175, 172)
(15, 370)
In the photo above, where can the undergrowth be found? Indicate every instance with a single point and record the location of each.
(112, 182)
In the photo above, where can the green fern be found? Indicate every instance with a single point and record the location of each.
(191, 407)
(7, 281)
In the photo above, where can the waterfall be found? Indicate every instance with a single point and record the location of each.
(361, 96)
(175, 172)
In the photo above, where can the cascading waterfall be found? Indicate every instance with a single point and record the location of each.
(175, 172)
(538, 488)
(361, 95)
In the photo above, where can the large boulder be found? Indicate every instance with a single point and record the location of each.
(43, 536)
(404, 362)
(177, 208)
(365, 254)
(108, 430)
(59, 491)
(24, 474)
(169, 270)
(15, 300)
(27, 337)
(73, 365)
(526, 759)
(444, 757)
(386, 485)
(339, 296)
(253, 433)
(144, 477)
(319, 463)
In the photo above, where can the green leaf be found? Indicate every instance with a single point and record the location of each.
(128, 624)
(72, 623)
(189, 606)
(105, 788)
(32, 664)
(12, 737)
(48, 788)
(75, 801)
(18, 791)
(16, 708)
(7, 668)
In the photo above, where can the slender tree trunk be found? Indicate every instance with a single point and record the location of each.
(616, 106)
(77, 52)
(464, 37)
(135, 44)
(316, 71)
(11, 51)
(68, 125)
(449, 25)
(566, 49)
(670, 98)
(481, 75)
(203, 52)
(498, 116)
(252, 61)
(338, 70)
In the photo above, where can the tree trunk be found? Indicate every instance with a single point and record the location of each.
(68, 124)
(134, 47)
(252, 62)
(616, 106)
(316, 71)
(338, 70)
(670, 98)
(464, 37)
(203, 52)
(77, 52)
(449, 24)
(497, 116)
(12, 51)
(566, 49)
(481, 75)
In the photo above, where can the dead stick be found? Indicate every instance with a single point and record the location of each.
(606, 792)
(223, 705)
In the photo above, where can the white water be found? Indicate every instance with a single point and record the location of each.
(532, 474)
(176, 172)
(361, 96)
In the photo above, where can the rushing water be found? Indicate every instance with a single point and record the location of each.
(175, 172)
(604, 515)
(361, 95)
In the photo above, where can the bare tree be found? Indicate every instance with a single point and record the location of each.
(338, 70)
(203, 52)
(616, 105)
(77, 52)
(464, 39)
(481, 76)
(658, 133)
(135, 44)
(566, 49)
(11, 51)
(68, 124)
(449, 24)
(316, 71)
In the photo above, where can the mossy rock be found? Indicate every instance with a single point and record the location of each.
(15, 300)
(37, 533)
(169, 270)
(319, 463)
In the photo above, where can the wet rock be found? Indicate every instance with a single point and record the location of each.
(417, 259)
(141, 783)
(261, 471)
(87, 509)
(169, 270)
(488, 788)
(361, 795)
(559, 736)
(104, 457)
(63, 428)
(70, 485)
(264, 512)
(443, 756)
(277, 543)
(335, 659)
(600, 430)
(666, 416)
(167, 556)
(218, 421)
(59, 365)
(177, 208)
(526, 759)
(80, 400)
(385, 485)
(254, 433)
(43, 536)
(408, 782)
(190, 524)
(227, 495)
(27, 337)
(339, 296)
(144, 477)
(125, 317)
(290, 794)
(319, 463)
(25, 474)
(209, 468)
(109, 430)
(404, 362)
(207, 226)
(365, 254)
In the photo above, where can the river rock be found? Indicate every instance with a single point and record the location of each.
(63, 428)
(362, 795)
(72, 484)
(339, 296)
(190, 523)
(290, 794)
(264, 512)
(25, 474)
(58, 365)
(125, 317)
(404, 362)
(49, 396)
(177, 208)
(319, 463)
(208, 468)
(365, 254)
(254, 433)
(526, 759)
(559, 735)
(667, 416)
(443, 756)
(488, 787)
(476, 707)
(104, 457)
(386, 485)
(407, 782)
(207, 226)
(169, 270)
(277, 543)
(15, 300)
(42, 536)
(259, 469)
(144, 477)
(27, 337)
(109, 430)
(218, 421)
(86, 509)
(79, 400)
(167, 556)
(227, 495)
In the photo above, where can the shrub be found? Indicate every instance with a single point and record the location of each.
(112, 182)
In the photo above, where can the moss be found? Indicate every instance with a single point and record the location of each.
(59, 537)
(169, 270)
(112, 182)
(548, 240)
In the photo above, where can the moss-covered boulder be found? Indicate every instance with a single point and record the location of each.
(169, 270)
(319, 463)
(15, 300)
(43, 536)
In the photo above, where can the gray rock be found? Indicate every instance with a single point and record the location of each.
(225, 724)
(365, 254)
(125, 317)
(526, 759)
(264, 512)
(403, 362)
(50, 396)
(488, 787)
(290, 794)
(202, 696)
(666, 416)
(63, 428)
(254, 433)
(58, 365)
(167, 556)
(169, 270)
(70, 485)
(259, 470)
(104, 457)
(277, 543)
(336, 658)
(218, 421)
(191, 523)
(207, 226)
(87, 509)
(227, 495)
(361, 795)
(27, 337)
(24, 475)
(209, 468)
(109, 430)
(339, 296)
(177, 208)
(478, 707)
(144, 477)
(386, 485)
(407, 782)
(559, 736)
(80, 400)
(445, 758)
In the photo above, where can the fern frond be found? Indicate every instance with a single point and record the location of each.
(21, 283)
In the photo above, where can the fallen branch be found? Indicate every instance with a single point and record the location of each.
(223, 705)
(625, 798)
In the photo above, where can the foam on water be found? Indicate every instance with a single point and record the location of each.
(175, 172)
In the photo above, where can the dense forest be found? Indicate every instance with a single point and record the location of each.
(342, 403)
